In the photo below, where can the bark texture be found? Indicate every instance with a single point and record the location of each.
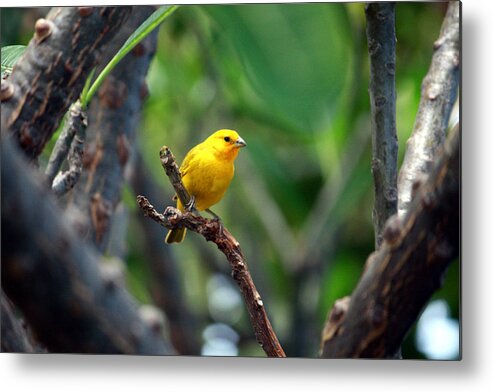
(380, 31)
(66, 180)
(113, 118)
(438, 95)
(409, 267)
(50, 76)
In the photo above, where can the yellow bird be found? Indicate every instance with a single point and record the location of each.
(207, 171)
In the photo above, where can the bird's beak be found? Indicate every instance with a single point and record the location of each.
(240, 142)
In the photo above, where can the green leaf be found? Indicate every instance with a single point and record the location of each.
(138, 35)
(10, 55)
(85, 90)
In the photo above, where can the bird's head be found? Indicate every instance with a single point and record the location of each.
(227, 142)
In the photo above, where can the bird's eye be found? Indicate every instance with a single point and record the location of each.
(227, 139)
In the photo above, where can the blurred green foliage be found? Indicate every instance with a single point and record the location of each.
(293, 80)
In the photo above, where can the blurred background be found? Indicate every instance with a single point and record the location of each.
(292, 79)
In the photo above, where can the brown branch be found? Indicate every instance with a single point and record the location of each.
(51, 74)
(380, 31)
(212, 230)
(173, 172)
(402, 275)
(113, 118)
(438, 95)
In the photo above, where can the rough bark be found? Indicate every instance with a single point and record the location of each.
(380, 31)
(64, 181)
(438, 95)
(70, 143)
(409, 267)
(51, 74)
(113, 118)
(71, 302)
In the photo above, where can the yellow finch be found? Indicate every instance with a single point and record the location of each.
(207, 171)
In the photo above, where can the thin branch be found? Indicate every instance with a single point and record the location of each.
(438, 94)
(380, 31)
(212, 230)
(173, 172)
(402, 275)
(77, 124)
(71, 299)
(51, 74)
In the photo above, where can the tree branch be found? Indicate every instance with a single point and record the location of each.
(380, 31)
(71, 301)
(212, 230)
(401, 276)
(438, 94)
(51, 74)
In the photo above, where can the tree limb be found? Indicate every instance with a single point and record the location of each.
(438, 94)
(113, 118)
(212, 230)
(401, 276)
(72, 302)
(380, 31)
(51, 74)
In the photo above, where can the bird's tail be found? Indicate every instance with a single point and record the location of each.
(176, 235)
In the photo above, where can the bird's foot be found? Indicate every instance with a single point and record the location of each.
(217, 219)
(190, 206)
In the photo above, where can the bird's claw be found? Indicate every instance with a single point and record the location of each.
(190, 206)
(217, 219)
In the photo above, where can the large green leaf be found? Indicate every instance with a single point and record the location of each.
(296, 58)
(10, 55)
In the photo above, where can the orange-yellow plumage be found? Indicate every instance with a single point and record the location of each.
(207, 171)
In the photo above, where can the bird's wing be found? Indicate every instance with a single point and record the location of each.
(189, 158)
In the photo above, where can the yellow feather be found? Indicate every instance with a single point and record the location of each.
(207, 171)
